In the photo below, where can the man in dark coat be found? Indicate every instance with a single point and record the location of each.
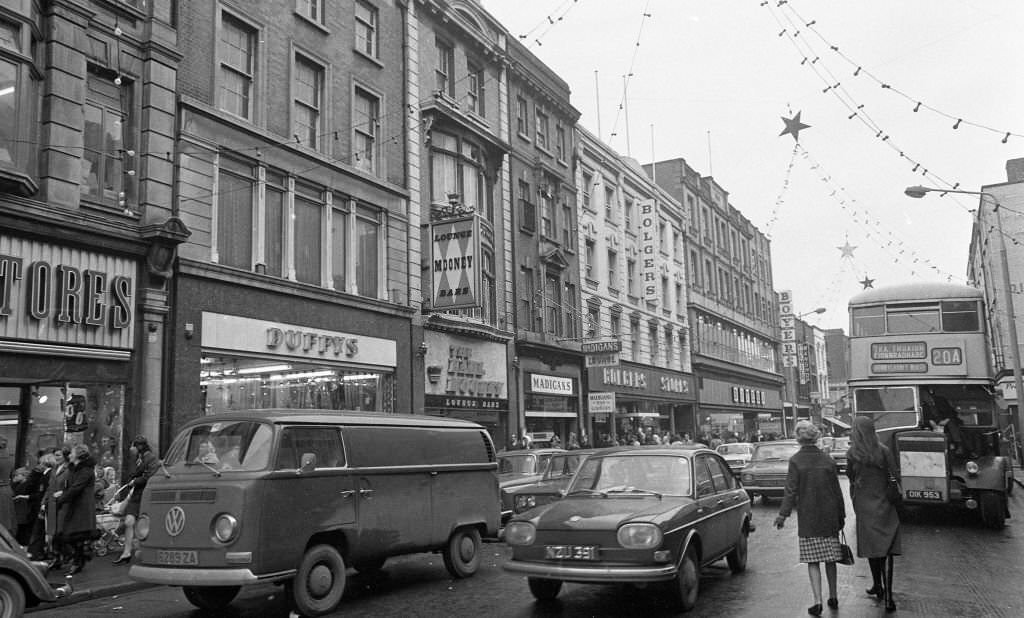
(76, 507)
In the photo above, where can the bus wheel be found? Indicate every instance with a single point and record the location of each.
(993, 509)
(320, 582)
(210, 598)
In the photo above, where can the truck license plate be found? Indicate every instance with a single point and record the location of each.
(923, 494)
(570, 552)
(175, 557)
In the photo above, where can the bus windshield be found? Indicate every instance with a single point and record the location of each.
(890, 406)
(221, 446)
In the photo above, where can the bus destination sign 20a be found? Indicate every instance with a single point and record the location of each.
(899, 350)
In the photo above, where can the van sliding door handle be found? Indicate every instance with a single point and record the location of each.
(348, 493)
(365, 492)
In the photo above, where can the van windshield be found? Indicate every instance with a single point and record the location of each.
(223, 446)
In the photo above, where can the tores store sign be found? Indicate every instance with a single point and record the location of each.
(60, 295)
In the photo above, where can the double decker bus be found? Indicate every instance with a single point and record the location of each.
(921, 367)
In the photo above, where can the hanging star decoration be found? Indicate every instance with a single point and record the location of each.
(867, 283)
(794, 126)
(847, 250)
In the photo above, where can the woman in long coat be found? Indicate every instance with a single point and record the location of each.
(77, 507)
(58, 481)
(869, 463)
(146, 464)
(812, 487)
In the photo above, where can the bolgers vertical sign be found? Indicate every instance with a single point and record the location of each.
(787, 328)
(649, 250)
(454, 263)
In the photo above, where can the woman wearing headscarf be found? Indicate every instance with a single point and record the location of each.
(812, 487)
(76, 507)
(869, 463)
(146, 464)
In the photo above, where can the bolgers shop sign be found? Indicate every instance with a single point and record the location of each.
(60, 295)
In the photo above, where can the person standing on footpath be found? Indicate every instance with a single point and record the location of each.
(58, 482)
(812, 486)
(146, 464)
(76, 507)
(869, 464)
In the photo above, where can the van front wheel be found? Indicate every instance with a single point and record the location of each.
(210, 598)
(320, 581)
(462, 554)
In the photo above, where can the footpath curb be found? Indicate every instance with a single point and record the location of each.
(89, 592)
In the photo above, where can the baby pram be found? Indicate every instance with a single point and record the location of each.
(110, 525)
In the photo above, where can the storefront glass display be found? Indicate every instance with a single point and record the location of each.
(238, 383)
(77, 413)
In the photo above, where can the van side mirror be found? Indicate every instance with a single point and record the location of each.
(308, 462)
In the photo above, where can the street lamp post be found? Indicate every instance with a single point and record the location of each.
(792, 375)
(919, 192)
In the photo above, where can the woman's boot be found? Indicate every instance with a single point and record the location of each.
(876, 589)
(890, 605)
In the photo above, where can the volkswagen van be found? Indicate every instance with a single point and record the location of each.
(297, 497)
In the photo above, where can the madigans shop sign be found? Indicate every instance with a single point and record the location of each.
(52, 294)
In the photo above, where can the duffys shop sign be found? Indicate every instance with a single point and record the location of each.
(51, 294)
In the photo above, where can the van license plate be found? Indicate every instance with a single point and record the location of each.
(923, 494)
(184, 558)
(570, 552)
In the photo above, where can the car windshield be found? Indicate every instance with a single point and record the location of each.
(223, 446)
(564, 465)
(628, 473)
(734, 449)
(517, 464)
(775, 452)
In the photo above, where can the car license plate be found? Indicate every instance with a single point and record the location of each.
(923, 494)
(570, 552)
(183, 558)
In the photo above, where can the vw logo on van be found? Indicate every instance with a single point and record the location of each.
(174, 521)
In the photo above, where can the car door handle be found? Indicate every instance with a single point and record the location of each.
(365, 492)
(720, 503)
(347, 493)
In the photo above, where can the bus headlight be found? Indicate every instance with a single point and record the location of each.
(639, 536)
(972, 468)
(520, 533)
(224, 528)
(142, 527)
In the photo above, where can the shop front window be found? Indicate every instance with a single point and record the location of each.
(77, 413)
(235, 383)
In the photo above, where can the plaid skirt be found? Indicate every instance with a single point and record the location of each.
(820, 549)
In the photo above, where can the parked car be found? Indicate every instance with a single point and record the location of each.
(22, 581)
(765, 475)
(521, 467)
(836, 448)
(555, 479)
(736, 454)
(635, 515)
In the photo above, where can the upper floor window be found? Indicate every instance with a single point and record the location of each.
(458, 168)
(475, 91)
(567, 228)
(593, 322)
(444, 72)
(308, 87)
(628, 214)
(367, 251)
(613, 269)
(527, 209)
(588, 180)
(542, 129)
(365, 127)
(311, 9)
(547, 213)
(522, 117)
(366, 29)
(105, 154)
(553, 304)
(631, 283)
(589, 257)
(235, 210)
(308, 221)
(609, 199)
(560, 145)
(236, 52)
(17, 102)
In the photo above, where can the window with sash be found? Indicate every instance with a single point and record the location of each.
(457, 167)
(475, 91)
(527, 209)
(444, 75)
(236, 55)
(107, 158)
(312, 10)
(308, 88)
(365, 128)
(366, 29)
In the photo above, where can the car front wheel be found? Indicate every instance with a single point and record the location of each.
(12, 597)
(544, 589)
(462, 554)
(319, 583)
(687, 582)
(210, 598)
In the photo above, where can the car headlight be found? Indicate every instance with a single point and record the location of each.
(748, 478)
(525, 503)
(520, 533)
(142, 527)
(972, 468)
(225, 528)
(639, 536)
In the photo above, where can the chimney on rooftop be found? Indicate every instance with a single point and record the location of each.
(1015, 170)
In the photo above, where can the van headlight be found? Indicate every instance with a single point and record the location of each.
(639, 536)
(142, 527)
(972, 468)
(525, 503)
(224, 528)
(520, 533)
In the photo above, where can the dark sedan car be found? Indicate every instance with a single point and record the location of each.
(521, 467)
(836, 448)
(765, 475)
(556, 478)
(22, 581)
(635, 515)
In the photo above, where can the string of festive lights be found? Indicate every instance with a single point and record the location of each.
(551, 20)
(631, 72)
(773, 216)
(917, 103)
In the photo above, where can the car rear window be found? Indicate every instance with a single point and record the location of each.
(775, 451)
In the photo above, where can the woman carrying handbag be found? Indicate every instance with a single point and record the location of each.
(869, 466)
(146, 464)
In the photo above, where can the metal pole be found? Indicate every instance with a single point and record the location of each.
(1010, 315)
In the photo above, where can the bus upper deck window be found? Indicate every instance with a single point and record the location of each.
(959, 316)
(868, 321)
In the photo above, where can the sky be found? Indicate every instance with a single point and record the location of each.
(710, 81)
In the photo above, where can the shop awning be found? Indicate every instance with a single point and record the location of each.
(835, 421)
